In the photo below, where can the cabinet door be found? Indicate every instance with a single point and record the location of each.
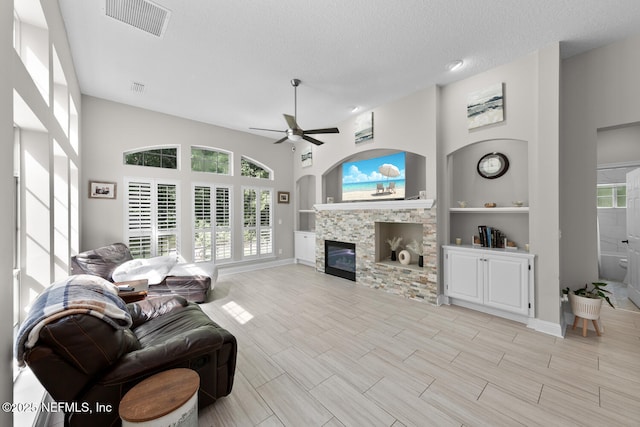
(506, 283)
(464, 278)
(305, 247)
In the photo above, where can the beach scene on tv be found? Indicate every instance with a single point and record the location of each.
(380, 178)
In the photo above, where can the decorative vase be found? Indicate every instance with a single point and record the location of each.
(393, 255)
(420, 261)
(405, 257)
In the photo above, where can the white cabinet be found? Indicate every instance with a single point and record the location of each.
(496, 281)
(305, 247)
(463, 275)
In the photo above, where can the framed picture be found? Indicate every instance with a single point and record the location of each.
(102, 190)
(485, 107)
(307, 157)
(283, 197)
(364, 127)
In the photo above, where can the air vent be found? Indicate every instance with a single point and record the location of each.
(137, 87)
(142, 14)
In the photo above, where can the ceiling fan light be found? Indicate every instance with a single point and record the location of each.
(295, 138)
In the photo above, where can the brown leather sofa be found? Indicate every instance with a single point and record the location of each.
(84, 362)
(104, 260)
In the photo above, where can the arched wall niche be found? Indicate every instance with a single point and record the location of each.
(468, 185)
(464, 184)
(415, 173)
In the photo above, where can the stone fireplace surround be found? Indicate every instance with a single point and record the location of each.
(356, 223)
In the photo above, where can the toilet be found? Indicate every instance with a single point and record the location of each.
(623, 264)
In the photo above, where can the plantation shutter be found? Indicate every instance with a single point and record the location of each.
(202, 224)
(266, 230)
(223, 223)
(139, 218)
(167, 220)
(258, 223)
(151, 218)
(212, 223)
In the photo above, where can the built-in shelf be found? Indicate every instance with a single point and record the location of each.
(497, 250)
(523, 209)
(307, 211)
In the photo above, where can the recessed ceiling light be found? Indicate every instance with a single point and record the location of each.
(354, 109)
(455, 65)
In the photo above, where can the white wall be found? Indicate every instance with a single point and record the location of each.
(111, 128)
(31, 109)
(619, 145)
(600, 89)
(6, 212)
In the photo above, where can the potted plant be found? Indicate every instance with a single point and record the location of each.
(586, 303)
(394, 244)
(418, 250)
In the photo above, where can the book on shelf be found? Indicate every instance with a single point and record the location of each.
(491, 237)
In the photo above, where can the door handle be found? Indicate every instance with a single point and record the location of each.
(626, 241)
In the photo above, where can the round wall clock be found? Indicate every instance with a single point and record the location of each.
(493, 165)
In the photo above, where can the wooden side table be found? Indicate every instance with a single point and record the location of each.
(139, 292)
(169, 398)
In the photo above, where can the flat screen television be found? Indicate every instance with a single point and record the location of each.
(378, 178)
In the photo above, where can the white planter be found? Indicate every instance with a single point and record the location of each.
(586, 308)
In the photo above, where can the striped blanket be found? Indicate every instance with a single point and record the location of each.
(81, 294)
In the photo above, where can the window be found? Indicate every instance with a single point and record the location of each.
(212, 223)
(257, 238)
(612, 196)
(16, 32)
(211, 161)
(254, 169)
(151, 218)
(166, 158)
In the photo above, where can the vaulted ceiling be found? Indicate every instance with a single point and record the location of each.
(230, 63)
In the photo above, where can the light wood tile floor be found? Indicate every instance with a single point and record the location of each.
(315, 350)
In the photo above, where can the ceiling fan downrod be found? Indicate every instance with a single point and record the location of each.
(295, 83)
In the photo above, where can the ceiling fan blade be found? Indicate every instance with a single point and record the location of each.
(291, 121)
(327, 130)
(312, 140)
(281, 140)
(270, 130)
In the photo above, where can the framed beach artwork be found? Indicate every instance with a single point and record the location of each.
(102, 190)
(485, 107)
(364, 127)
(307, 157)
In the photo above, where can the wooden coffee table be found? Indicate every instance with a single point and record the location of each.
(139, 292)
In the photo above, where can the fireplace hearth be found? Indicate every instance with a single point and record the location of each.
(340, 259)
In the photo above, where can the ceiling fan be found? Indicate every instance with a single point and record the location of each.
(294, 133)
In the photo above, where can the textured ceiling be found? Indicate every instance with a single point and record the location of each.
(230, 63)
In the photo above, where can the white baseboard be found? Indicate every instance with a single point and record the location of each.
(549, 328)
(543, 326)
(305, 262)
(442, 300)
(226, 269)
